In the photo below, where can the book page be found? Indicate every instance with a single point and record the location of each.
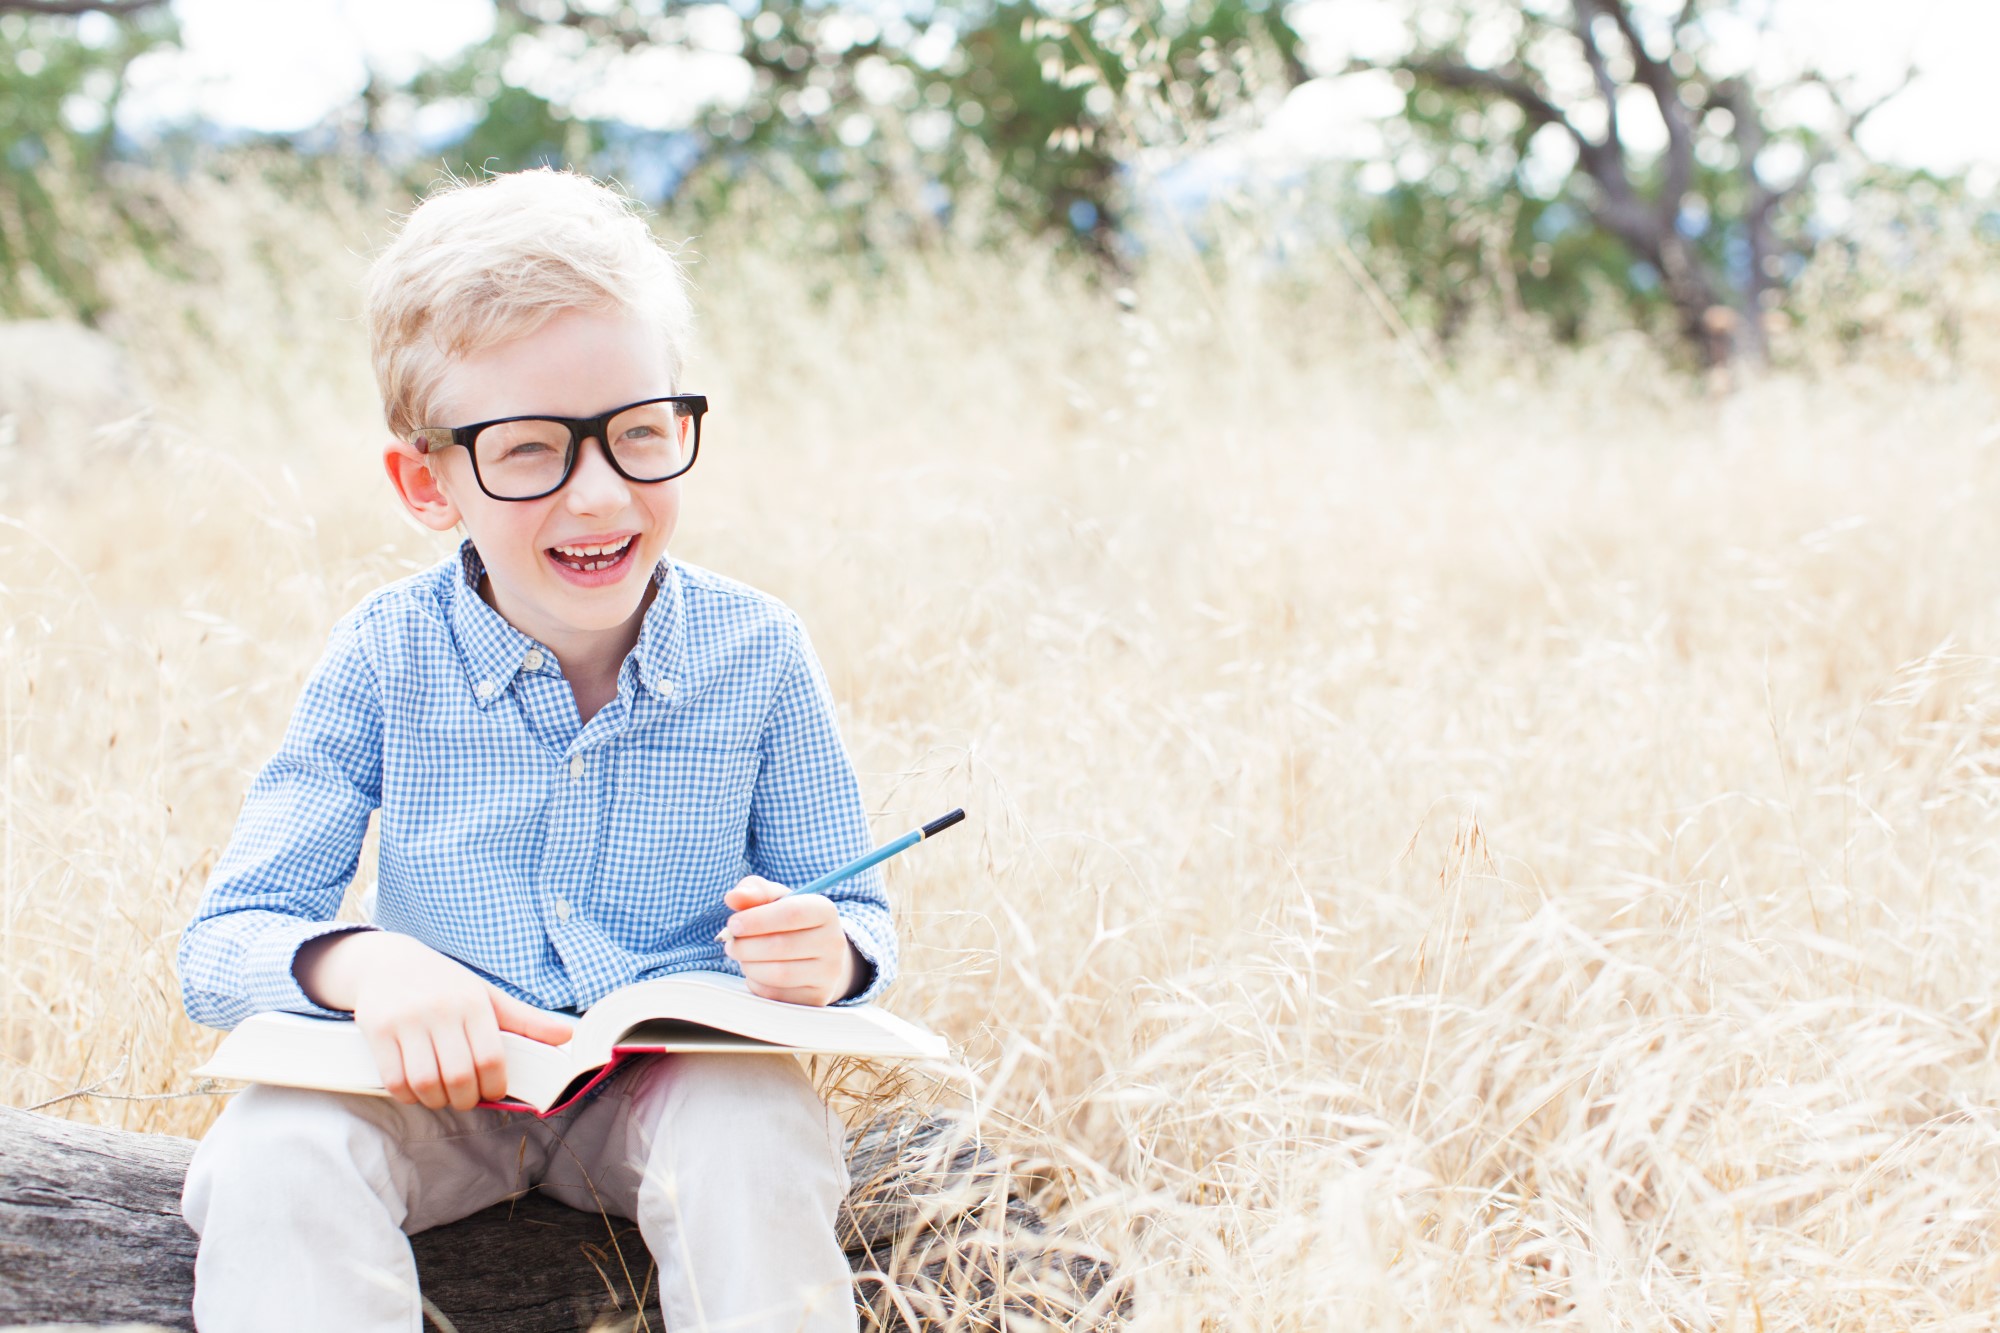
(672, 1034)
(724, 1002)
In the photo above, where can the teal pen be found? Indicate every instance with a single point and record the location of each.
(876, 857)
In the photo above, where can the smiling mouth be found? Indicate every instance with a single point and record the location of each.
(588, 559)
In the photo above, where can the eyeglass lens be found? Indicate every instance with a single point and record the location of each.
(649, 442)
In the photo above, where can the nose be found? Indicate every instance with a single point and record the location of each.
(595, 486)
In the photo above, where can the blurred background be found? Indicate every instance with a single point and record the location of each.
(1726, 176)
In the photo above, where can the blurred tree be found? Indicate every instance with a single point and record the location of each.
(62, 74)
(539, 82)
(1065, 104)
(1556, 147)
(72, 8)
(894, 121)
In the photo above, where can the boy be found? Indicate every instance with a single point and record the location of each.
(589, 760)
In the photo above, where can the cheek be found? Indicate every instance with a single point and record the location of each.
(502, 535)
(666, 507)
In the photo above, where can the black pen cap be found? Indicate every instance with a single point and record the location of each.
(942, 822)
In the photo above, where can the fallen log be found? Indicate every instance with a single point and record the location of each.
(91, 1233)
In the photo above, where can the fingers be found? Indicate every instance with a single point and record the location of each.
(802, 911)
(420, 1069)
(458, 1070)
(785, 946)
(438, 1067)
(791, 947)
(489, 1059)
(513, 1016)
(815, 996)
(753, 891)
(811, 966)
(445, 1066)
(389, 1063)
(434, 1027)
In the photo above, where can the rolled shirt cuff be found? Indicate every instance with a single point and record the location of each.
(275, 954)
(879, 956)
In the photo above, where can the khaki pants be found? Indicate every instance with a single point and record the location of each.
(730, 1164)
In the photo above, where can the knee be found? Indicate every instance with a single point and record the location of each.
(276, 1126)
(731, 1095)
(715, 1108)
(280, 1145)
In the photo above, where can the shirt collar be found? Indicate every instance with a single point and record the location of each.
(494, 652)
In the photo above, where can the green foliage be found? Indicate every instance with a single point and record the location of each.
(1467, 224)
(60, 83)
(979, 116)
(1084, 95)
(1040, 133)
(1011, 114)
(517, 129)
(992, 119)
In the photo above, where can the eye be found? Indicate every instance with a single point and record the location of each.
(526, 449)
(640, 433)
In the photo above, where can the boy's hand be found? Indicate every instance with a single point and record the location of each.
(791, 947)
(434, 1026)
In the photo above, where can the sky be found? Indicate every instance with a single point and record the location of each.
(262, 65)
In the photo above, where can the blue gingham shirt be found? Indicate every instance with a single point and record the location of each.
(558, 860)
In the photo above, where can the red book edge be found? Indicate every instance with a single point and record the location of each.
(619, 1054)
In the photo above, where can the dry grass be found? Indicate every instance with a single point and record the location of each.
(1521, 860)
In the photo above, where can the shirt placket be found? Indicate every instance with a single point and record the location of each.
(564, 873)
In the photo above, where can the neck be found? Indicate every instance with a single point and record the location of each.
(590, 658)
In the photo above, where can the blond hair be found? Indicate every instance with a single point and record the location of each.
(484, 262)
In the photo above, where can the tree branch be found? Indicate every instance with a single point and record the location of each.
(1583, 18)
(1855, 115)
(1748, 131)
(1661, 82)
(115, 8)
(1763, 199)
(1620, 211)
(1468, 78)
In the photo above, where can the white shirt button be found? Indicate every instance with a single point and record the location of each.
(576, 767)
(562, 909)
(665, 686)
(533, 661)
(487, 689)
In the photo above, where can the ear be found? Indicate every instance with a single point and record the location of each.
(414, 477)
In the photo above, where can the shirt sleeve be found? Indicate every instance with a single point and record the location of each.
(294, 850)
(806, 815)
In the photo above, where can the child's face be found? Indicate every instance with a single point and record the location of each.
(579, 364)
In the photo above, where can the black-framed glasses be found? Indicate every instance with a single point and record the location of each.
(526, 458)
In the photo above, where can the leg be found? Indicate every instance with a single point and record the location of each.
(302, 1199)
(733, 1169)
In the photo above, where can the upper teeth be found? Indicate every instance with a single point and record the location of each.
(587, 551)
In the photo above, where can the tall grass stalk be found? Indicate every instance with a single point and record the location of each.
(1526, 863)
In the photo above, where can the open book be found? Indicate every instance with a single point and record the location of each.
(692, 1011)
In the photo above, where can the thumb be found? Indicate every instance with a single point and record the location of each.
(753, 891)
(540, 1024)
